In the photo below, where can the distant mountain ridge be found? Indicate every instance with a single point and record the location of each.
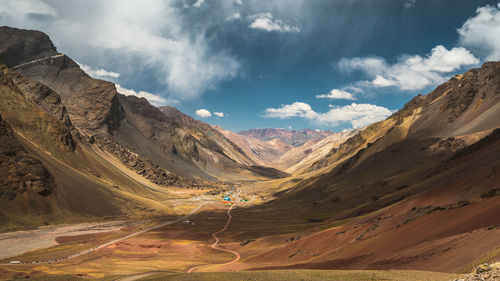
(291, 137)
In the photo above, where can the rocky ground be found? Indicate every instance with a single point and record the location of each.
(484, 272)
(144, 167)
(20, 172)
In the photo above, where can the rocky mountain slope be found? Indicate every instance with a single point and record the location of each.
(299, 159)
(291, 137)
(100, 114)
(261, 152)
(41, 152)
(208, 135)
(20, 172)
(63, 127)
(284, 149)
(418, 190)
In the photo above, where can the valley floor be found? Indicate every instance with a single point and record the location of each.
(168, 248)
(279, 275)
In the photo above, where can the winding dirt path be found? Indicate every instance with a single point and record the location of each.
(195, 247)
(216, 247)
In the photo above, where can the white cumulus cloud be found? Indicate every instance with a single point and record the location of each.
(98, 72)
(133, 36)
(198, 3)
(296, 109)
(203, 113)
(265, 21)
(481, 33)
(380, 81)
(337, 94)
(235, 16)
(411, 72)
(357, 115)
(155, 100)
(220, 114)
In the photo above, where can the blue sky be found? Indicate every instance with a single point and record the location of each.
(300, 64)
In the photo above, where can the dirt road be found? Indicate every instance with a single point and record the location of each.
(216, 247)
(88, 251)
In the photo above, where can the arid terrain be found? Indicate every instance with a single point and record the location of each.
(97, 184)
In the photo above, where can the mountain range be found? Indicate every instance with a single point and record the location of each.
(418, 190)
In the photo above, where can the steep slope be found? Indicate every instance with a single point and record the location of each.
(466, 104)
(207, 135)
(301, 158)
(414, 141)
(92, 104)
(20, 172)
(267, 146)
(122, 125)
(262, 152)
(43, 161)
(416, 191)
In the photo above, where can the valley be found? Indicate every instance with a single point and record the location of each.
(98, 184)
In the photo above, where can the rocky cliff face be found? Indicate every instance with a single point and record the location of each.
(19, 46)
(208, 136)
(91, 104)
(20, 172)
(177, 145)
(25, 111)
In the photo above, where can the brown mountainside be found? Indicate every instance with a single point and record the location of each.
(291, 137)
(414, 191)
(121, 124)
(262, 152)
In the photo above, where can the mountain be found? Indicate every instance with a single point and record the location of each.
(21, 174)
(418, 190)
(261, 152)
(63, 127)
(301, 158)
(116, 122)
(43, 157)
(280, 148)
(206, 134)
(291, 137)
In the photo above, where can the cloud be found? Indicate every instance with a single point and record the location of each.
(19, 9)
(265, 21)
(380, 81)
(411, 72)
(337, 94)
(198, 3)
(235, 16)
(481, 33)
(410, 4)
(297, 109)
(203, 113)
(155, 100)
(98, 72)
(357, 115)
(220, 114)
(136, 37)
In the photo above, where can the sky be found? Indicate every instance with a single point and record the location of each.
(241, 64)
